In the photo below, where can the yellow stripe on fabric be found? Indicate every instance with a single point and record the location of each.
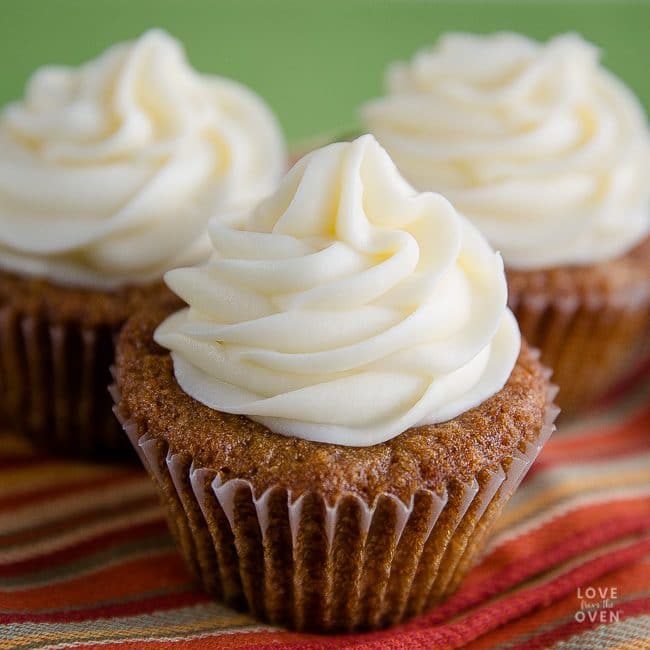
(47, 545)
(217, 624)
(541, 630)
(59, 508)
(550, 575)
(571, 505)
(618, 414)
(50, 475)
(569, 486)
(629, 634)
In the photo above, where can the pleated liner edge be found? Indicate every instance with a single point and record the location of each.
(312, 565)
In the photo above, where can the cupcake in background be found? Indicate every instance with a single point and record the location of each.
(109, 173)
(548, 154)
(343, 408)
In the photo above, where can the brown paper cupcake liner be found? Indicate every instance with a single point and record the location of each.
(53, 380)
(589, 341)
(313, 565)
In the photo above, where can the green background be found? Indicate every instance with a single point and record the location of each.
(314, 61)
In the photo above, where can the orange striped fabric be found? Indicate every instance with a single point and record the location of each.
(86, 560)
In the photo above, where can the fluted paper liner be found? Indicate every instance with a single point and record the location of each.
(589, 340)
(53, 380)
(309, 564)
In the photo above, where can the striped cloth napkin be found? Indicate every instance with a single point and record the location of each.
(86, 561)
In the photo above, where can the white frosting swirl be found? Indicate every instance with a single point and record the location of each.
(542, 148)
(109, 172)
(350, 309)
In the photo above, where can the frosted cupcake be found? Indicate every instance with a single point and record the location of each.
(347, 404)
(548, 154)
(108, 175)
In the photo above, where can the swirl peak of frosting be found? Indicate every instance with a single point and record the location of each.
(110, 171)
(348, 309)
(541, 147)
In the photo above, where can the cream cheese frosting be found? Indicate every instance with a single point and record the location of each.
(347, 309)
(109, 172)
(541, 147)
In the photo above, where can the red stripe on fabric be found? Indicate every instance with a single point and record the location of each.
(132, 607)
(632, 581)
(155, 572)
(86, 547)
(630, 433)
(565, 529)
(76, 521)
(615, 441)
(237, 640)
(625, 610)
(48, 492)
(515, 563)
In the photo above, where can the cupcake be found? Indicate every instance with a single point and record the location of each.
(547, 153)
(343, 407)
(108, 175)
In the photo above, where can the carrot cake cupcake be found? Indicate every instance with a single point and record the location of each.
(108, 175)
(547, 153)
(341, 410)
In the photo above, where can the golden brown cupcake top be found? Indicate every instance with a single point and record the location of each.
(426, 457)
